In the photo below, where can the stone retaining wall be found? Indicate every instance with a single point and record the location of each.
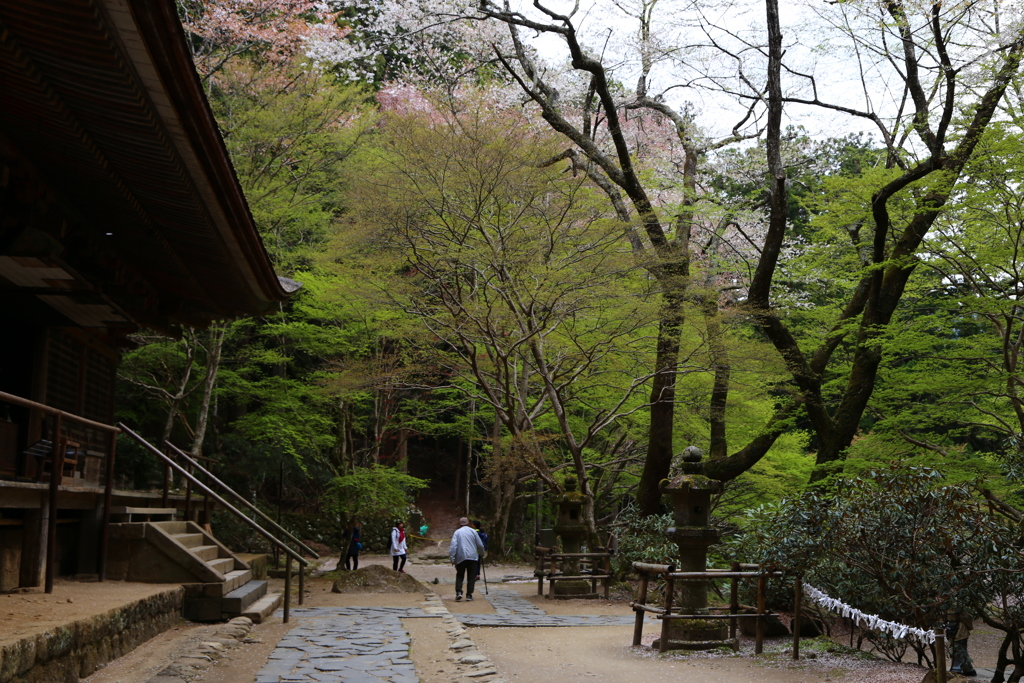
(75, 650)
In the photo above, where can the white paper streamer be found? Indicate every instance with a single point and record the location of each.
(870, 621)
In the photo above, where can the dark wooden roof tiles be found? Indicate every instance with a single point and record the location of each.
(101, 96)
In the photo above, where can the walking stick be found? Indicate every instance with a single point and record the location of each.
(483, 570)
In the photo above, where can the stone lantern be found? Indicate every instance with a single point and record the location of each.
(571, 528)
(690, 492)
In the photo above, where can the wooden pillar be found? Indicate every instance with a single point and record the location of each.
(56, 473)
(940, 655)
(540, 574)
(734, 600)
(641, 599)
(302, 582)
(287, 586)
(108, 492)
(762, 587)
(670, 590)
(607, 576)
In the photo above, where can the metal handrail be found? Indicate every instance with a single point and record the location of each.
(227, 489)
(237, 513)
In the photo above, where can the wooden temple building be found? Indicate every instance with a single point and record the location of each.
(119, 211)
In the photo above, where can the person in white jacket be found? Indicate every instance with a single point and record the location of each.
(464, 552)
(398, 547)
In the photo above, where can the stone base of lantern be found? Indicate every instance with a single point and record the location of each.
(698, 634)
(572, 589)
(698, 645)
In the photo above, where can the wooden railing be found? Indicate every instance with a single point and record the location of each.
(58, 449)
(738, 572)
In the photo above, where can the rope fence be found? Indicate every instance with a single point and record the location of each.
(870, 622)
(873, 622)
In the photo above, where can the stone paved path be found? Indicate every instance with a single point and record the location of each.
(369, 645)
(511, 609)
(506, 601)
(345, 645)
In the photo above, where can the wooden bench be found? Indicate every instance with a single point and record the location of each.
(553, 574)
(125, 514)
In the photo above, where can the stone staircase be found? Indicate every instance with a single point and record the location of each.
(218, 585)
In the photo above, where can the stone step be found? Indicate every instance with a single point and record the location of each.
(224, 565)
(238, 600)
(205, 552)
(236, 578)
(263, 608)
(174, 527)
(188, 540)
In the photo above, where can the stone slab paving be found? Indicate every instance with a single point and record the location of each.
(345, 645)
(369, 645)
(513, 610)
(505, 601)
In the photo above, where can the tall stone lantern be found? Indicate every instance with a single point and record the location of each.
(690, 492)
(571, 528)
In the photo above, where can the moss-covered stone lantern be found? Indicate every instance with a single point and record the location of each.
(572, 529)
(690, 493)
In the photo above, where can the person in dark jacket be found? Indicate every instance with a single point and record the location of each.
(484, 538)
(355, 544)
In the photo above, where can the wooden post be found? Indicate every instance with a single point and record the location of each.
(108, 492)
(762, 586)
(641, 598)
(940, 655)
(607, 575)
(287, 586)
(666, 623)
(734, 600)
(798, 595)
(302, 583)
(56, 473)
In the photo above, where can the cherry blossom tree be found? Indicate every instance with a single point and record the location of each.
(275, 31)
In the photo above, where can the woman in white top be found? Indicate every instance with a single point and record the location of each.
(398, 547)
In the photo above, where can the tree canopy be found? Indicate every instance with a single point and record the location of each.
(794, 244)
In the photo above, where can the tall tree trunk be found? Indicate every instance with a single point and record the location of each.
(663, 396)
(216, 343)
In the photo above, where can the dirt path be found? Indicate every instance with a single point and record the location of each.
(521, 655)
(559, 655)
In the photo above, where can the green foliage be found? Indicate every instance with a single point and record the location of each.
(784, 469)
(642, 539)
(291, 134)
(900, 542)
(374, 492)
